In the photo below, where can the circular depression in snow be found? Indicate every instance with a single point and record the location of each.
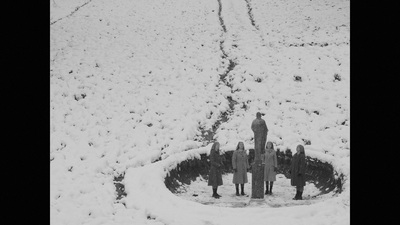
(283, 192)
(153, 189)
(188, 180)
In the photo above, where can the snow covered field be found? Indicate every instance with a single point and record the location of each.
(135, 81)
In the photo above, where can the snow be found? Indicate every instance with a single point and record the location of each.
(133, 84)
(283, 193)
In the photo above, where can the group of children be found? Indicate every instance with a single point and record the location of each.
(241, 165)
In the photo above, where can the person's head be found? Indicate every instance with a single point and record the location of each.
(258, 115)
(270, 145)
(215, 146)
(300, 149)
(240, 146)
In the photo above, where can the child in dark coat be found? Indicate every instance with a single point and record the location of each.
(297, 171)
(215, 175)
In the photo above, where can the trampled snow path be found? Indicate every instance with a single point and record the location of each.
(55, 5)
(133, 82)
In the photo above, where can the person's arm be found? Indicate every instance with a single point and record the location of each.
(221, 160)
(234, 158)
(265, 128)
(291, 164)
(213, 160)
(275, 161)
(302, 165)
(247, 162)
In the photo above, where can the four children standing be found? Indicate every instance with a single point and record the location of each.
(240, 165)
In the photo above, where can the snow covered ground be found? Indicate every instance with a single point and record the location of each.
(135, 81)
(283, 193)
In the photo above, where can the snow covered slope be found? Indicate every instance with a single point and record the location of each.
(135, 81)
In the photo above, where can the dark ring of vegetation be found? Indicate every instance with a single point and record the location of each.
(321, 174)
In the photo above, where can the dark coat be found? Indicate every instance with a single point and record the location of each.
(260, 129)
(241, 164)
(297, 170)
(215, 175)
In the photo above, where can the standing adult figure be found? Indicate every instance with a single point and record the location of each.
(240, 166)
(297, 171)
(215, 175)
(260, 129)
(271, 164)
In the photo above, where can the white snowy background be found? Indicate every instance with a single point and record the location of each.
(133, 81)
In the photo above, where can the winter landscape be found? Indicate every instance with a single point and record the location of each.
(138, 87)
